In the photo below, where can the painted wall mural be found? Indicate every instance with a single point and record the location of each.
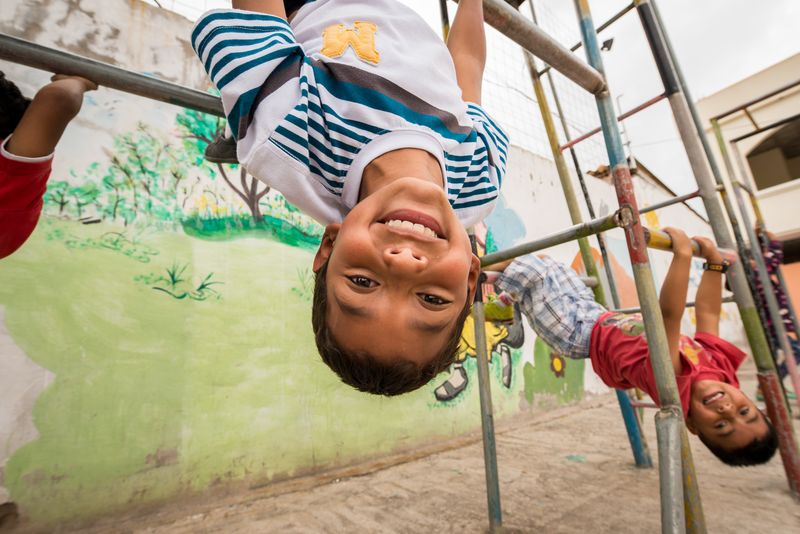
(155, 332)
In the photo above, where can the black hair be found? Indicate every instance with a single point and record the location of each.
(12, 106)
(758, 451)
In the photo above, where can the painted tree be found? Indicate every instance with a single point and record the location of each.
(200, 129)
(57, 195)
(83, 195)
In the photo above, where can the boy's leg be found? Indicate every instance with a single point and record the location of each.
(558, 305)
(467, 45)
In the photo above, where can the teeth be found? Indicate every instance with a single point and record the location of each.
(414, 227)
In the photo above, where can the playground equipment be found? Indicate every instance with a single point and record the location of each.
(681, 509)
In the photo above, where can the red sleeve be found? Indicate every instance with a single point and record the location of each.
(22, 186)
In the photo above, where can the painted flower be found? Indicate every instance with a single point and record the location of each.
(557, 364)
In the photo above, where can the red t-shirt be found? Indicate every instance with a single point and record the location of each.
(23, 182)
(621, 358)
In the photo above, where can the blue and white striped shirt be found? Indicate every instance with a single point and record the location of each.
(312, 104)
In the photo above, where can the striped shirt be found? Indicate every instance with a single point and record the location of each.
(311, 104)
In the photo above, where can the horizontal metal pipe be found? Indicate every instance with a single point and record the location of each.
(755, 101)
(56, 61)
(589, 281)
(660, 240)
(765, 128)
(669, 202)
(600, 28)
(688, 305)
(572, 233)
(525, 33)
(640, 404)
(630, 112)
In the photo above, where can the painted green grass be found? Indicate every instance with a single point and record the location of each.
(156, 397)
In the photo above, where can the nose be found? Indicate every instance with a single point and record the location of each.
(405, 259)
(724, 407)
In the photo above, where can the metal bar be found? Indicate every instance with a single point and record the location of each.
(600, 28)
(670, 420)
(630, 112)
(693, 507)
(487, 415)
(752, 102)
(601, 243)
(751, 118)
(686, 115)
(640, 455)
(445, 17)
(590, 281)
(766, 128)
(638, 404)
(669, 202)
(572, 233)
(781, 420)
(773, 307)
(48, 59)
(660, 240)
(510, 23)
(670, 464)
(690, 304)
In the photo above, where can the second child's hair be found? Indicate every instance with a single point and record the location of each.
(364, 371)
(12, 106)
(759, 451)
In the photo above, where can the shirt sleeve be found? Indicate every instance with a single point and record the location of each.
(23, 182)
(248, 57)
(491, 136)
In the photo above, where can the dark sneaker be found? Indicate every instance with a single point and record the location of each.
(222, 150)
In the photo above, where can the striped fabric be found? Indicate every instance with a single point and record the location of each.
(559, 307)
(308, 124)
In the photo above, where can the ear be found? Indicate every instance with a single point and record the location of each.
(474, 275)
(690, 426)
(326, 246)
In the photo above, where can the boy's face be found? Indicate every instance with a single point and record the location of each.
(724, 415)
(400, 271)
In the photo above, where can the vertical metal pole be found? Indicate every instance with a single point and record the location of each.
(487, 415)
(697, 160)
(773, 307)
(640, 454)
(670, 417)
(445, 19)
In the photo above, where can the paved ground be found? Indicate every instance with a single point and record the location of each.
(567, 471)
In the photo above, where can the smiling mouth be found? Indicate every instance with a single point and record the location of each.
(708, 399)
(414, 221)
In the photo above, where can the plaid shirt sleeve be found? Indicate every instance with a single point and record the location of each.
(559, 307)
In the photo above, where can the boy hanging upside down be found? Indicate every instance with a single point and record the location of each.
(29, 133)
(362, 117)
(562, 311)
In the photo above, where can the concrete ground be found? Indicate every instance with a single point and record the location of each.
(566, 471)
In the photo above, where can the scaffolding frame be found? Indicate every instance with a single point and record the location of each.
(681, 509)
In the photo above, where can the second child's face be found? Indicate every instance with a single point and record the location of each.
(400, 271)
(724, 415)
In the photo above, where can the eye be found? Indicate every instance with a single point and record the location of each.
(433, 299)
(362, 281)
(744, 411)
(721, 424)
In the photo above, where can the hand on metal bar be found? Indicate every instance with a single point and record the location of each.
(661, 240)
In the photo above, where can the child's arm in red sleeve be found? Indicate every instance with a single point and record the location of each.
(23, 182)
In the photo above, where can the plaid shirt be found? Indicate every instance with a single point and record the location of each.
(559, 307)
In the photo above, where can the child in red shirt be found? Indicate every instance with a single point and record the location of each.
(29, 132)
(562, 311)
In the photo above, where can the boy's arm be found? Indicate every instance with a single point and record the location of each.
(708, 301)
(25, 161)
(673, 292)
(268, 7)
(48, 114)
(467, 45)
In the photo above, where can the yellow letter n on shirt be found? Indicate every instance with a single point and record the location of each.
(336, 39)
